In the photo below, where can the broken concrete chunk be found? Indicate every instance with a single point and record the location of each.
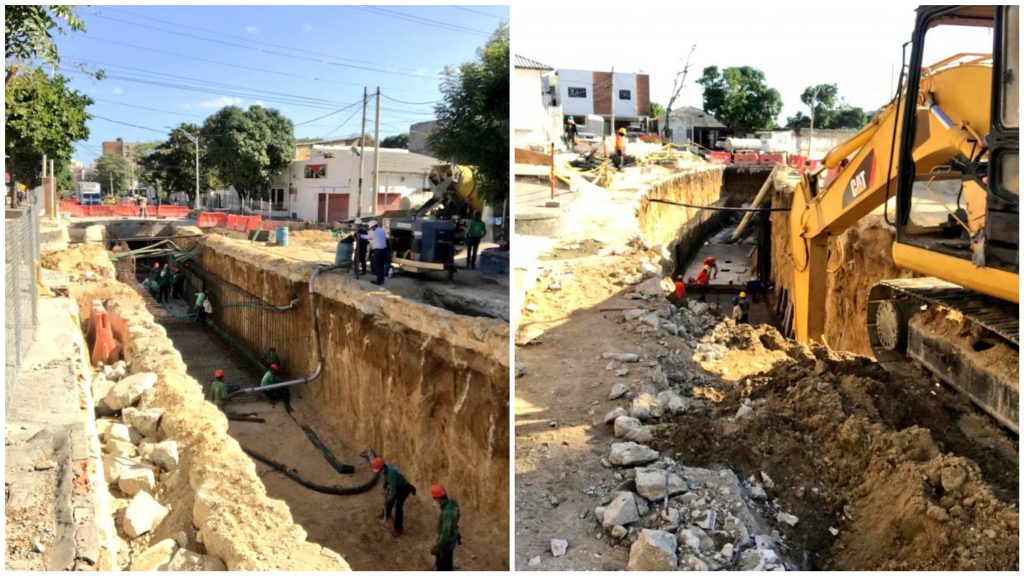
(671, 403)
(624, 425)
(760, 558)
(101, 386)
(156, 557)
(145, 421)
(112, 468)
(787, 518)
(621, 357)
(135, 479)
(123, 433)
(652, 320)
(653, 550)
(631, 454)
(187, 561)
(621, 511)
(618, 391)
(126, 392)
(143, 514)
(691, 563)
(611, 416)
(757, 492)
(520, 369)
(645, 407)
(559, 547)
(651, 483)
(121, 449)
(165, 455)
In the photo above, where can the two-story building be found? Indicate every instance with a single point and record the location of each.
(585, 92)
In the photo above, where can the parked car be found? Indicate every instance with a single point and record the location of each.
(587, 138)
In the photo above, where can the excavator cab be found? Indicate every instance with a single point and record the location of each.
(957, 191)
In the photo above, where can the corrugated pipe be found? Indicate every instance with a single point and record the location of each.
(316, 333)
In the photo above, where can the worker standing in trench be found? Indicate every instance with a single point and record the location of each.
(703, 279)
(447, 529)
(396, 490)
(218, 394)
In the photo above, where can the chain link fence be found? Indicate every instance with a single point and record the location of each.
(21, 252)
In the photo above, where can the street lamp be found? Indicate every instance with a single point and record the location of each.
(195, 141)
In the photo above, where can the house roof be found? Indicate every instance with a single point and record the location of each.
(527, 64)
(696, 117)
(393, 160)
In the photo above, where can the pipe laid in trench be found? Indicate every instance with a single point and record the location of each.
(294, 475)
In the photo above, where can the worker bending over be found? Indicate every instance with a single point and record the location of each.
(270, 378)
(396, 490)
(447, 529)
(711, 261)
(218, 393)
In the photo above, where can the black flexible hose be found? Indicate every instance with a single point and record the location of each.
(294, 475)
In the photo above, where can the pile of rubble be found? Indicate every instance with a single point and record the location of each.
(136, 464)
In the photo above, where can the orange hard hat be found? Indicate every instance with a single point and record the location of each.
(707, 267)
(219, 374)
(438, 491)
(377, 464)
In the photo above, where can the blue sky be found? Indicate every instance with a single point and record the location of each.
(306, 61)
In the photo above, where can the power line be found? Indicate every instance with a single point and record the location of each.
(145, 108)
(410, 103)
(422, 20)
(346, 121)
(128, 124)
(356, 103)
(481, 12)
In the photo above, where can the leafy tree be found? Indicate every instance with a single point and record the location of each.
(28, 33)
(830, 110)
(740, 98)
(111, 169)
(248, 148)
(472, 117)
(397, 141)
(656, 110)
(65, 179)
(43, 116)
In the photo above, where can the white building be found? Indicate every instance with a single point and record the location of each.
(325, 187)
(584, 92)
(538, 121)
(695, 125)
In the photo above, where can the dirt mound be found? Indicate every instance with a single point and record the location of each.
(79, 261)
(877, 466)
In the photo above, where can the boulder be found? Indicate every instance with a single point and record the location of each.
(559, 547)
(101, 386)
(631, 454)
(123, 433)
(653, 550)
(165, 455)
(145, 421)
(651, 483)
(645, 407)
(624, 425)
(621, 511)
(127, 391)
(135, 479)
(143, 514)
(156, 557)
(618, 391)
(614, 414)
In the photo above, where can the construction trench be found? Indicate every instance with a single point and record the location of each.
(653, 437)
(286, 485)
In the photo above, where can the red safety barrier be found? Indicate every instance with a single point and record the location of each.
(253, 223)
(172, 211)
(271, 224)
(232, 221)
(212, 219)
(771, 158)
(745, 158)
(796, 161)
(104, 347)
(101, 210)
(720, 158)
(125, 210)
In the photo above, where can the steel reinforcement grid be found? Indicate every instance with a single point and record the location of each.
(21, 252)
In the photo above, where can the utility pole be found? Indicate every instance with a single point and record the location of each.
(376, 151)
(362, 148)
(611, 92)
(195, 141)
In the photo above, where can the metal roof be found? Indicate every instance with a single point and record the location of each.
(696, 117)
(528, 64)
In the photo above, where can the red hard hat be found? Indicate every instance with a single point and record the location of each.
(377, 464)
(219, 374)
(438, 491)
(156, 264)
(274, 367)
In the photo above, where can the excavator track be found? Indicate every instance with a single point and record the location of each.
(967, 339)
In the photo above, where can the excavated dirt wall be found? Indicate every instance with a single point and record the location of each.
(215, 497)
(680, 229)
(858, 258)
(422, 386)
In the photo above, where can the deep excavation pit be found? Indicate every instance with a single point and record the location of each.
(777, 454)
(434, 402)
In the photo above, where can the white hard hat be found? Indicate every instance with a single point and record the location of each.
(359, 220)
(372, 223)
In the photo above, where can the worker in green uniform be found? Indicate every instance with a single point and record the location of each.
(165, 280)
(447, 529)
(151, 280)
(269, 378)
(198, 310)
(218, 390)
(396, 490)
(475, 232)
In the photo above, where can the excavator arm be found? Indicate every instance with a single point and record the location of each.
(952, 121)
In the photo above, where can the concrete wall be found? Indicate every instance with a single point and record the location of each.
(424, 387)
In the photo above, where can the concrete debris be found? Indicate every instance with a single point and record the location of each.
(631, 454)
(650, 287)
(768, 482)
(121, 449)
(787, 518)
(620, 372)
(625, 425)
(653, 550)
(615, 414)
(165, 455)
(135, 479)
(111, 468)
(618, 391)
(534, 562)
(621, 511)
(757, 492)
(156, 557)
(671, 403)
(691, 563)
(760, 558)
(123, 433)
(101, 386)
(652, 320)
(559, 547)
(621, 356)
(143, 514)
(651, 483)
(645, 407)
(189, 561)
(126, 392)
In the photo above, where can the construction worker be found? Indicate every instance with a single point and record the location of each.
(218, 393)
(269, 378)
(143, 213)
(396, 490)
(165, 281)
(475, 232)
(447, 529)
(151, 280)
(620, 148)
(743, 304)
(380, 258)
(362, 247)
(570, 133)
(711, 261)
(703, 279)
(200, 306)
(178, 283)
(678, 295)
(270, 358)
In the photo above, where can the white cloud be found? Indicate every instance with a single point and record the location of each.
(260, 103)
(306, 28)
(252, 30)
(117, 90)
(220, 102)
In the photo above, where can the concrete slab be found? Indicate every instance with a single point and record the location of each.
(735, 263)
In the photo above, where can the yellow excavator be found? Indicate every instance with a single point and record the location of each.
(946, 148)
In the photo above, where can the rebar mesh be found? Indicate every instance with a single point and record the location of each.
(21, 251)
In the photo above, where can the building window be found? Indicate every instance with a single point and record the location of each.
(575, 92)
(625, 95)
(316, 170)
